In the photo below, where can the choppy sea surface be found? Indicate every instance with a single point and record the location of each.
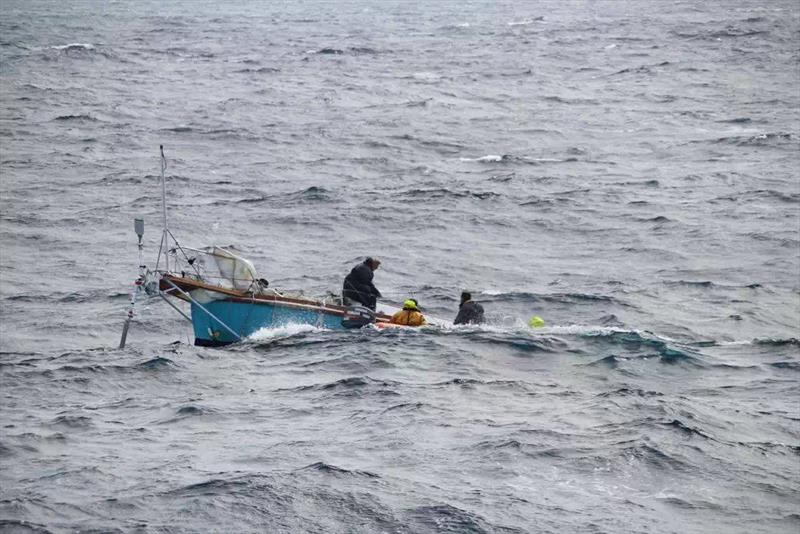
(626, 170)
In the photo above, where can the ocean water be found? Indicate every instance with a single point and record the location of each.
(626, 170)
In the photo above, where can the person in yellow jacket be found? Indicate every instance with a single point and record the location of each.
(409, 315)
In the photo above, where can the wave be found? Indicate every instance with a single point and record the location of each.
(488, 158)
(214, 486)
(354, 387)
(78, 51)
(768, 446)
(73, 421)
(689, 283)
(564, 100)
(471, 383)
(526, 22)
(156, 364)
(685, 429)
(73, 46)
(631, 392)
(500, 444)
(709, 284)
(556, 298)
(793, 366)
(188, 412)
(311, 194)
(508, 158)
(73, 297)
(259, 70)
(641, 69)
(269, 335)
(646, 183)
(461, 26)
(353, 382)
(57, 437)
(652, 455)
(416, 104)
(338, 471)
(446, 518)
(83, 373)
(658, 219)
(79, 117)
(407, 407)
(353, 50)
(777, 342)
(633, 340)
(523, 341)
(215, 133)
(758, 140)
(442, 147)
(545, 202)
(782, 241)
(191, 411)
(17, 526)
(769, 194)
(738, 120)
(729, 32)
(442, 192)
(358, 50)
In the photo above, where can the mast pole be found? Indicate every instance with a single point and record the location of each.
(165, 234)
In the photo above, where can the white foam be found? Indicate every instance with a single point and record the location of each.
(426, 76)
(518, 326)
(544, 160)
(495, 292)
(489, 157)
(589, 330)
(85, 46)
(280, 332)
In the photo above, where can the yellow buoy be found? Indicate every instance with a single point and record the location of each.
(536, 322)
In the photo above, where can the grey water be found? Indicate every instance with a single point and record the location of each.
(626, 170)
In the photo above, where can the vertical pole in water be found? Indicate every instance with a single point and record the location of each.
(165, 234)
(128, 318)
(138, 226)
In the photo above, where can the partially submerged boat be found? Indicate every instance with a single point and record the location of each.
(228, 301)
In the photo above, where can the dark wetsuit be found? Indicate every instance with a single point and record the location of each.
(469, 313)
(358, 286)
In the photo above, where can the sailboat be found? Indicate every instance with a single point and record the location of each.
(228, 302)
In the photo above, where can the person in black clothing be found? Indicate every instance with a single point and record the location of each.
(469, 312)
(358, 285)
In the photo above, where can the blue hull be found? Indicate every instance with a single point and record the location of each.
(246, 318)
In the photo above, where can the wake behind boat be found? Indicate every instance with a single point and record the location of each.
(228, 301)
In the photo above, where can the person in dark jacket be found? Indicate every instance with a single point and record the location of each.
(358, 286)
(469, 311)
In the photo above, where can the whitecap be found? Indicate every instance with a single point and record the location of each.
(487, 158)
(281, 332)
(74, 46)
